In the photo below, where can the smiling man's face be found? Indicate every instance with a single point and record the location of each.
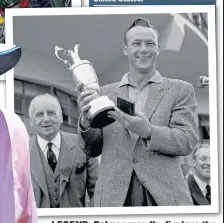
(142, 48)
(202, 163)
(46, 117)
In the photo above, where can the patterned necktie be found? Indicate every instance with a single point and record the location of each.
(51, 157)
(208, 193)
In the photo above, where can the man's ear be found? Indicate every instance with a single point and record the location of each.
(158, 50)
(124, 46)
(31, 122)
(61, 117)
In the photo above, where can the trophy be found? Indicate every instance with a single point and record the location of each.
(82, 72)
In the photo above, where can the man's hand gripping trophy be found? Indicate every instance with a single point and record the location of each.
(93, 107)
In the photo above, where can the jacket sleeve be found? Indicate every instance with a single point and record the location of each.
(90, 141)
(92, 176)
(180, 137)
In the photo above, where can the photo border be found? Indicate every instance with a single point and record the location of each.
(214, 208)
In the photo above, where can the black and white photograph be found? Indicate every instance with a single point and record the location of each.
(120, 106)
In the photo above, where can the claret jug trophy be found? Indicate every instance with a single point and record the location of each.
(83, 74)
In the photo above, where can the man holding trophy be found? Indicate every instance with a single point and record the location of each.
(141, 139)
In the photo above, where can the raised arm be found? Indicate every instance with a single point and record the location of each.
(90, 140)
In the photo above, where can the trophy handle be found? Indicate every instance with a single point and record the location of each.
(74, 54)
(76, 49)
(56, 50)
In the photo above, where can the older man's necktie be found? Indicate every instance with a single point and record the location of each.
(51, 157)
(208, 193)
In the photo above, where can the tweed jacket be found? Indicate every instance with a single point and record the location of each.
(78, 174)
(171, 110)
(196, 193)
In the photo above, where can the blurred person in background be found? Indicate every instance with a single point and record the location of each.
(199, 182)
(17, 203)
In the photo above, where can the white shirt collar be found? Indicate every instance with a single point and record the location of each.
(43, 143)
(202, 185)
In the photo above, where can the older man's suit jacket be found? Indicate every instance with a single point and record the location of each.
(78, 174)
(196, 193)
(171, 109)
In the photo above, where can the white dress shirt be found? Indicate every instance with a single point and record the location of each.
(56, 144)
(202, 185)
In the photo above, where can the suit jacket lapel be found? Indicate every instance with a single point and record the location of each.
(196, 193)
(154, 97)
(67, 161)
(36, 167)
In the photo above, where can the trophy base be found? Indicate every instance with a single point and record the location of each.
(98, 112)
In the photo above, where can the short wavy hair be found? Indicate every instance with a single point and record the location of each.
(45, 95)
(198, 147)
(140, 22)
